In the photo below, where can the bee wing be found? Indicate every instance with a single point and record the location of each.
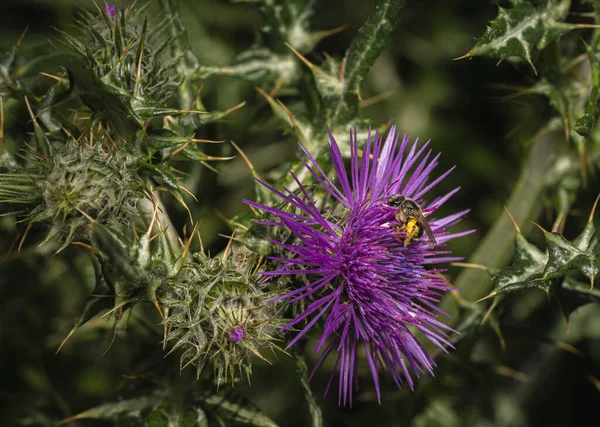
(423, 223)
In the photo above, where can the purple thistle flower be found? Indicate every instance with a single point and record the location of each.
(368, 289)
(237, 334)
(110, 10)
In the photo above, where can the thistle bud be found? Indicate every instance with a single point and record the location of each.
(218, 312)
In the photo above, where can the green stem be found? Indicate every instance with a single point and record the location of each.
(524, 205)
(315, 411)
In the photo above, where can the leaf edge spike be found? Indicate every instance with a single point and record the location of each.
(309, 64)
(513, 220)
(465, 56)
(593, 211)
(540, 227)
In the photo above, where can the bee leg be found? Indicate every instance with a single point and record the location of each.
(397, 230)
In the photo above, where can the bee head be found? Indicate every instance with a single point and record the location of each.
(396, 200)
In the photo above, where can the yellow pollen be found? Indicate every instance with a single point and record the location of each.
(412, 230)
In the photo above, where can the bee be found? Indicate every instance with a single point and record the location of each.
(410, 219)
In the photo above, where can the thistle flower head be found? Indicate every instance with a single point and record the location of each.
(126, 53)
(76, 179)
(367, 274)
(219, 314)
(110, 10)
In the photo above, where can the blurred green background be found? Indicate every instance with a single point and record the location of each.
(456, 104)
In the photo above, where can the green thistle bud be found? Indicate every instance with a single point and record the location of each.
(121, 70)
(218, 313)
(76, 180)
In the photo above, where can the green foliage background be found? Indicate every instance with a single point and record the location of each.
(546, 373)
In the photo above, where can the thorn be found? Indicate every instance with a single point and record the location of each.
(206, 141)
(219, 158)
(112, 141)
(35, 151)
(254, 211)
(224, 258)
(165, 330)
(558, 222)
(29, 109)
(158, 234)
(115, 308)
(587, 25)
(189, 242)
(470, 265)
(568, 347)
(258, 263)
(66, 339)
(76, 115)
(299, 55)
(180, 149)
(235, 239)
(208, 166)
(179, 171)
(145, 128)
(73, 418)
(513, 220)
(162, 316)
(328, 33)
(85, 215)
(21, 38)
(91, 137)
(234, 108)
(85, 245)
(181, 187)
(79, 139)
(500, 338)
(466, 55)
(190, 112)
(289, 113)
(200, 240)
(276, 88)
(247, 160)
(377, 98)
(265, 95)
(197, 96)
(539, 226)
(154, 215)
(511, 373)
(484, 298)
(188, 211)
(489, 311)
(342, 71)
(125, 51)
(138, 77)
(52, 76)
(591, 218)
(24, 236)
